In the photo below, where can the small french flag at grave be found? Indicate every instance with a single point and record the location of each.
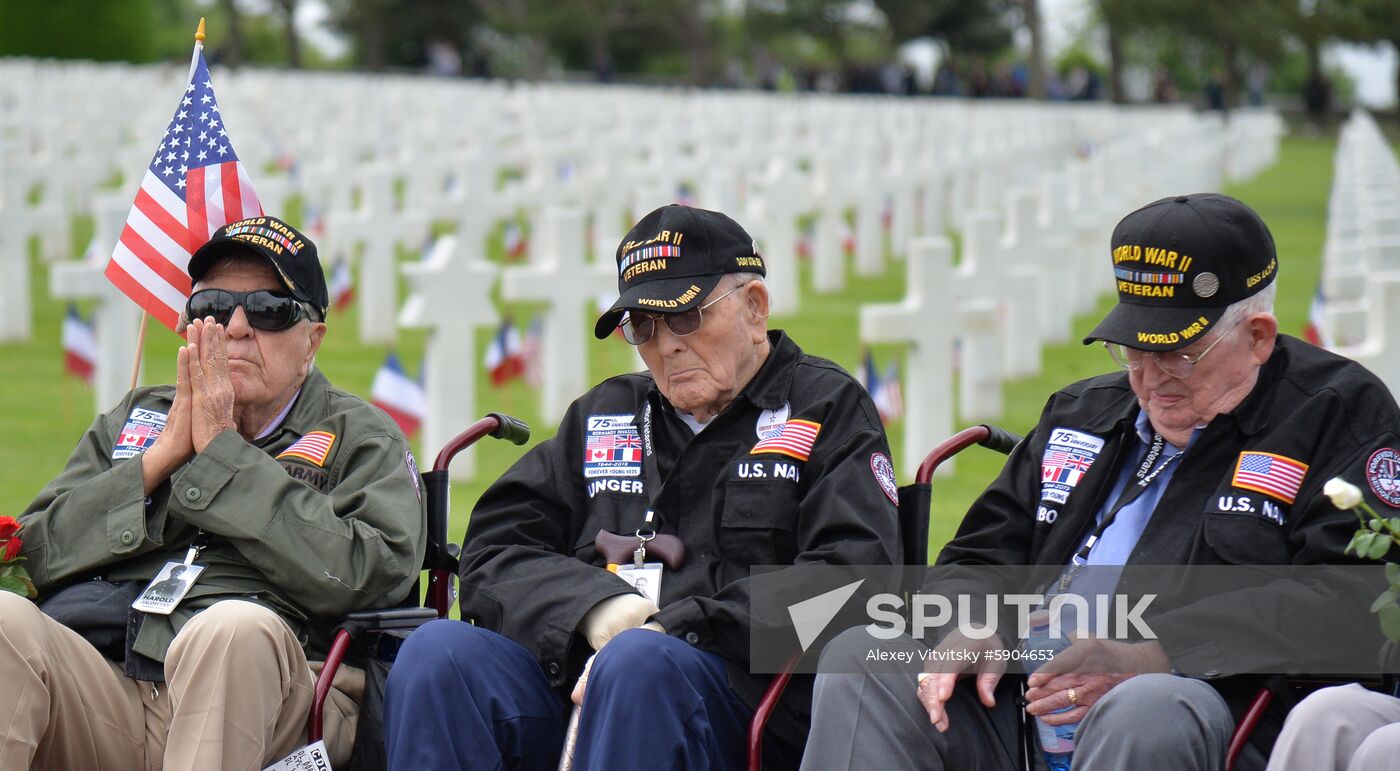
(399, 395)
(79, 345)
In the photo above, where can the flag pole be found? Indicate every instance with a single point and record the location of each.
(140, 349)
(145, 315)
(198, 46)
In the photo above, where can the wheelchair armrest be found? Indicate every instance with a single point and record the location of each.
(388, 618)
(357, 623)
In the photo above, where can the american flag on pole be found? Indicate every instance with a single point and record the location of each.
(1270, 474)
(793, 438)
(194, 185)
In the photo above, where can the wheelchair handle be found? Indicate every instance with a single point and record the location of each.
(495, 424)
(512, 429)
(991, 437)
(999, 439)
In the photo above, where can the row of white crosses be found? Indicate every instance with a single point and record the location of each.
(1018, 285)
(1361, 254)
(389, 157)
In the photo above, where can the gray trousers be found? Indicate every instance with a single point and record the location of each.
(867, 715)
(1346, 728)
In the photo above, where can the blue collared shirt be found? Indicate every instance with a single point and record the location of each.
(1116, 544)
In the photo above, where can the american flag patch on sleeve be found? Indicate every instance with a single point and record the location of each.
(1270, 474)
(793, 438)
(314, 447)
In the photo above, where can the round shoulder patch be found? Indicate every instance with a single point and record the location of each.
(883, 470)
(413, 474)
(1383, 473)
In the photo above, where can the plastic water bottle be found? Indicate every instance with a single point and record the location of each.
(1056, 742)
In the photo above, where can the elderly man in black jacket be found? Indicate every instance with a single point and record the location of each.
(735, 442)
(1211, 448)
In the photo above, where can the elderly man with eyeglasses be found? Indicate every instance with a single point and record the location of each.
(1211, 447)
(280, 502)
(735, 443)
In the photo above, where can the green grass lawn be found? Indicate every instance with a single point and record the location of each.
(46, 411)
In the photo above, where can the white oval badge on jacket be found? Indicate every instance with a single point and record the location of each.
(770, 422)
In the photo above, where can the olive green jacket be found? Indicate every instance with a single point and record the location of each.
(311, 537)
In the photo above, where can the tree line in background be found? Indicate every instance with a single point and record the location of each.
(1226, 52)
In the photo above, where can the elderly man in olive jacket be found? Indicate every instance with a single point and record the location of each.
(288, 501)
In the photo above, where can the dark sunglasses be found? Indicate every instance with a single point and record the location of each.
(266, 310)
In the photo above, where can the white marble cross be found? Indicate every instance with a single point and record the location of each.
(450, 296)
(773, 222)
(870, 209)
(560, 275)
(1379, 350)
(378, 228)
(980, 321)
(19, 222)
(1027, 291)
(928, 392)
(829, 251)
(116, 319)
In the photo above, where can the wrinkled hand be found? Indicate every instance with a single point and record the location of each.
(614, 615)
(577, 695)
(1092, 667)
(211, 412)
(348, 680)
(582, 685)
(941, 674)
(173, 447)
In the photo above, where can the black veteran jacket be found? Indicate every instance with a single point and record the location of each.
(1310, 408)
(529, 568)
(321, 517)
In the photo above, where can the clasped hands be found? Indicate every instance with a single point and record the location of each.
(1077, 677)
(203, 405)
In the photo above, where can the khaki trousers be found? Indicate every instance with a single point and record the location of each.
(237, 693)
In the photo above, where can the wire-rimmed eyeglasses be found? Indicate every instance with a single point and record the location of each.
(638, 327)
(1177, 365)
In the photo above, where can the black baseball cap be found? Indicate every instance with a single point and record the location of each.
(1178, 263)
(291, 254)
(672, 259)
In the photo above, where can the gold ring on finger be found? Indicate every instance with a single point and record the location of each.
(1073, 697)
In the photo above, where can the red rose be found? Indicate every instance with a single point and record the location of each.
(12, 548)
(8, 527)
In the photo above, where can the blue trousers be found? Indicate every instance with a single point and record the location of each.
(461, 697)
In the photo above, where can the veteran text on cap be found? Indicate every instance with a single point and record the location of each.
(1178, 263)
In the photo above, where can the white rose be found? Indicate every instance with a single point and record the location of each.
(1343, 494)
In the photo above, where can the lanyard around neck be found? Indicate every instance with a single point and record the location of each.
(1147, 472)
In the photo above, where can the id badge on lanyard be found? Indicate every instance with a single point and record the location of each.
(173, 582)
